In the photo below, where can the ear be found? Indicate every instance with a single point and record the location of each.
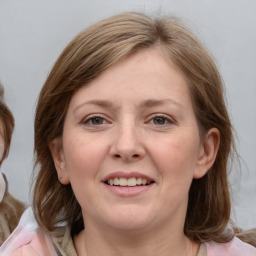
(56, 149)
(207, 153)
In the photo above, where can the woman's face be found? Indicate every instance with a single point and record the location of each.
(131, 145)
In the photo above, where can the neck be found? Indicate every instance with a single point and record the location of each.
(164, 242)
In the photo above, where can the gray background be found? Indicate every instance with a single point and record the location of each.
(33, 33)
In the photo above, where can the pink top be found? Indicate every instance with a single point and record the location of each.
(28, 240)
(233, 248)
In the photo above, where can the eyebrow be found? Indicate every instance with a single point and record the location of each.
(153, 102)
(101, 103)
(146, 103)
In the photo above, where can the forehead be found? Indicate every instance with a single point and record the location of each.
(148, 70)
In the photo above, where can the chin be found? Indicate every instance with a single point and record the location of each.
(129, 226)
(130, 220)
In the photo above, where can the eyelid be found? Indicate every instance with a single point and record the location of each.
(170, 119)
(86, 119)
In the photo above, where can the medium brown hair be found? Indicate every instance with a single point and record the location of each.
(90, 53)
(7, 120)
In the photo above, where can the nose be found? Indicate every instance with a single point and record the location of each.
(127, 144)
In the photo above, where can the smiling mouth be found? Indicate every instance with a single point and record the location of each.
(131, 182)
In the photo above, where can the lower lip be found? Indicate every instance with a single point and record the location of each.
(128, 191)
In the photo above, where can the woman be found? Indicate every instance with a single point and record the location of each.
(132, 140)
(10, 208)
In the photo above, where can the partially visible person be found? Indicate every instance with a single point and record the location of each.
(11, 209)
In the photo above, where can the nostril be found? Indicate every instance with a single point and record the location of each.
(134, 156)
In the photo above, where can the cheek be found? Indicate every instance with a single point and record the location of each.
(83, 156)
(83, 164)
(176, 156)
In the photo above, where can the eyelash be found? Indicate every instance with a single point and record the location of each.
(167, 120)
(89, 120)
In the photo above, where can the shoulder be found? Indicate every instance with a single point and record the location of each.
(235, 247)
(28, 239)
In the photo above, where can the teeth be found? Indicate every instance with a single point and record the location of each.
(139, 181)
(123, 182)
(131, 182)
(144, 181)
(116, 182)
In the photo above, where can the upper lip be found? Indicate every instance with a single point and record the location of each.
(127, 175)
